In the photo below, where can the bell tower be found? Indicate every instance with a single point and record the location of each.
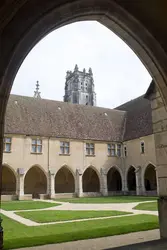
(79, 87)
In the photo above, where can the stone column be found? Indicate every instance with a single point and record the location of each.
(125, 183)
(79, 188)
(20, 185)
(139, 189)
(159, 119)
(103, 184)
(156, 170)
(52, 183)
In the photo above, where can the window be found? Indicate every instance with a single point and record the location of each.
(90, 149)
(111, 150)
(142, 148)
(65, 148)
(7, 143)
(36, 146)
(125, 151)
(119, 150)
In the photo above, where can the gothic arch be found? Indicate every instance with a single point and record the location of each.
(114, 179)
(91, 180)
(9, 180)
(35, 181)
(64, 180)
(131, 178)
(150, 180)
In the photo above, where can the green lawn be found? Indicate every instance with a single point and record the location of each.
(17, 235)
(52, 215)
(113, 199)
(150, 206)
(26, 205)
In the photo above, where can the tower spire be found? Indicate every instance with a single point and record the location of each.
(36, 92)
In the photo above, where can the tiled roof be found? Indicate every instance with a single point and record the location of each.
(139, 118)
(41, 117)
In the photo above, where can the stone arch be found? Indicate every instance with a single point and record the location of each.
(64, 180)
(35, 181)
(150, 180)
(114, 179)
(91, 180)
(9, 180)
(131, 178)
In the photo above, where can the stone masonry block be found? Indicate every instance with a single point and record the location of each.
(159, 114)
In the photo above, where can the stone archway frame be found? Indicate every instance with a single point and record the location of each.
(119, 171)
(70, 170)
(107, 13)
(13, 172)
(98, 175)
(42, 170)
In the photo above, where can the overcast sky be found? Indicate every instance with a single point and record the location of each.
(119, 75)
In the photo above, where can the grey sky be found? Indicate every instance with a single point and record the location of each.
(119, 75)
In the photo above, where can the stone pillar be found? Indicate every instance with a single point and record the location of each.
(103, 183)
(159, 119)
(139, 188)
(79, 188)
(52, 183)
(125, 189)
(20, 185)
(157, 180)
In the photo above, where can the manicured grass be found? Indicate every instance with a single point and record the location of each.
(52, 215)
(113, 199)
(26, 205)
(150, 206)
(17, 235)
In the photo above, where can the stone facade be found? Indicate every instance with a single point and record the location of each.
(52, 174)
(79, 87)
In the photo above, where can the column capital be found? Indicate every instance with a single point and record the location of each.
(79, 171)
(103, 171)
(21, 171)
(137, 169)
(52, 171)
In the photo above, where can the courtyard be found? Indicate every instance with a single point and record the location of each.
(40, 222)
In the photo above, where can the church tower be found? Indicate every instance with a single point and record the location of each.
(79, 87)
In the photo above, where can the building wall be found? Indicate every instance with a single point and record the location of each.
(50, 161)
(21, 156)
